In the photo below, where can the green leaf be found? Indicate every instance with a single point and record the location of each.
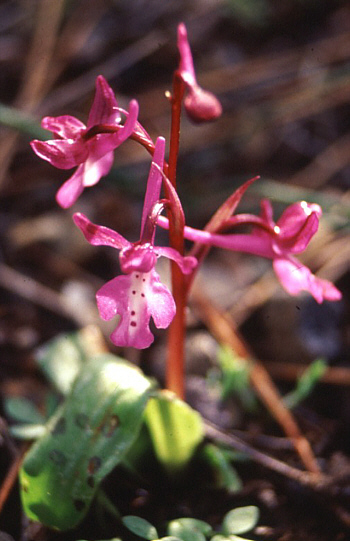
(186, 532)
(14, 118)
(61, 359)
(87, 437)
(306, 383)
(240, 520)
(175, 430)
(140, 526)
(23, 411)
(236, 377)
(195, 524)
(226, 475)
(169, 538)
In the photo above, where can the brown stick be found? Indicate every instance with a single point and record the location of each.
(223, 329)
(11, 476)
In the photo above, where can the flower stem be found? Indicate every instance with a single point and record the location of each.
(176, 335)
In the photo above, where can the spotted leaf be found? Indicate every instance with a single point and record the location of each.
(87, 437)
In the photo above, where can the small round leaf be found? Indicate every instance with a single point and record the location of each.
(140, 526)
(186, 532)
(196, 524)
(240, 520)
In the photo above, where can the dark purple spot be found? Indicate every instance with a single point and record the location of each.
(142, 294)
(143, 279)
(132, 323)
(60, 427)
(94, 464)
(133, 312)
(79, 505)
(137, 275)
(133, 292)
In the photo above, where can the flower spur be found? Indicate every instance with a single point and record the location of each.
(138, 294)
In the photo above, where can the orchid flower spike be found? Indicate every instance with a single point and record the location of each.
(138, 294)
(200, 105)
(88, 147)
(277, 241)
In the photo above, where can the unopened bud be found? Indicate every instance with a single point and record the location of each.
(201, 105)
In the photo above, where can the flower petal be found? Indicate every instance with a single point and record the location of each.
(286, 241)
(160, 302)
(186, 67)
(71, 189)
(117, 297)
(102, 143)
(94, 169)
(136, 297)
(154, 182)
(186, 264)
(61, 153)
(65, 127)
(99, 235)
(295, 215)
(295, 277)
(104, 109)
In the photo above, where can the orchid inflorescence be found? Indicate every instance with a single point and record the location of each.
(138, 294)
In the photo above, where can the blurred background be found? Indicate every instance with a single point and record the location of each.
(282, 73)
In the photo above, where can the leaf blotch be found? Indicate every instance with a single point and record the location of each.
(82, 421)
(57, 457)
(94, 464)
(60, 427)
(79, 505)
(110, 426)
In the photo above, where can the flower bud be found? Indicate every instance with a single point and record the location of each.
(201, 105)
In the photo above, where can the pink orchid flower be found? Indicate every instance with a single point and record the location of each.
(200, 105)
(85, 146)
(277, 241)
(138, 294)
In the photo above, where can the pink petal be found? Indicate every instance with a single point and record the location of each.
(71, 189)
(103, 143)
(296, 242)
(186, 67)
(94, 169)
(186, 264)
(99, 235)
(66, 126)
(160, 302)
(104, 109)
(136, 297)
(116, 297)
(61, 153)
(137, 257)
(295, 215)
(154, 182)
(295, 277)
(267, 212)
